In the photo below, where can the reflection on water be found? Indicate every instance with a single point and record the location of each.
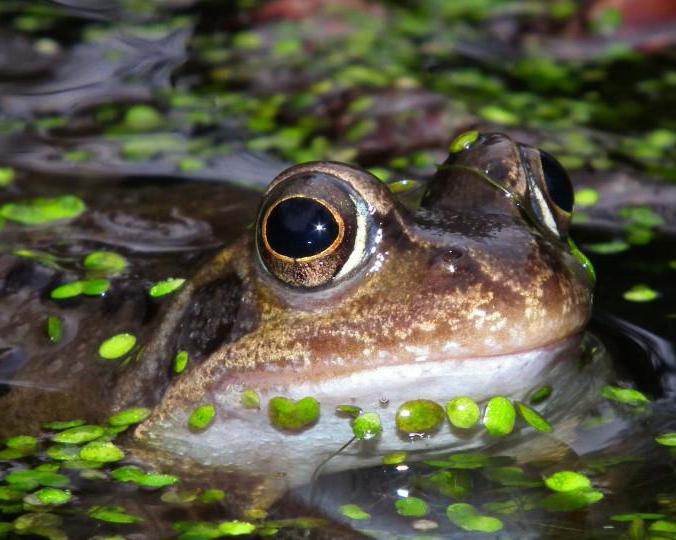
(119, 103)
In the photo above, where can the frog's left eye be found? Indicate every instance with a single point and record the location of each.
(558, 183)
(314, 227)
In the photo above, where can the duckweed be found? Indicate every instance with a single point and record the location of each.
(463, 412)
(54, 328)
(626, 396)
(533, 418)
(79, 434)
(511, 477)
(136, 475)
(22, 442)
(250, 399)
(667, 439)
(567, 481)
(143, 118)
(202, 417)
(67, 290)
(43, 210)
(235, 528)
(168, 286)
(411, 507)
(60, 425)
(453, 484)
(586, 197)
(349, 410)
(395, 459)
(117, 346)
(49, 496)
(107, 262)
(128, 417)
(640, 293)
(180, 362)
(292, 415)
(113, 514)
(419, 416)
(7, 176)
(101, 452)
(607, 248)
(499, 416)
(29, 479)
(367, 426)
(540, 395)
(571, 500)
(463, 141)
(468, 518)
(354, 511)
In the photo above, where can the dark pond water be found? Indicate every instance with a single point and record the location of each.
(166, 119)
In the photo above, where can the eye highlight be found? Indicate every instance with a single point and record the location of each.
(299, 227)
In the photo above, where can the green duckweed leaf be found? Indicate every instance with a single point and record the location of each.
(60, 425)
(292, 415)
(106, 262)
(113, 514)
(79, 434)
(29, 479)
(117, 346)
(49, 496)
(43, 210)
(250, 399)
(101, 452)
(28, 523)
(668, 528)
(22, 442)
(633, 516)
(354, 511)
(626, 396)
(511, 477)
(135, 475)
(63, 452)
(640, 293)
(202, 417)
(453, 484)
(419, 416)
(7, 176)
(54, 328)
(168, 286)
(395, 459)
(533, 418)
(180, 362)
(468, 518)
(67, 290)
(571, 500)
(540, 395)
(367, 426)
(586, 197)
(211, 496)
(567, 481)
(143, 118)
(128, 417)
(463, 141)
(463, 412)
(235, 528)
(349, 410)
(667, 439)
(411, 507)
(499, 416)
(607, 248)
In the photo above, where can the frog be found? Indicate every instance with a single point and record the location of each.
(345, 297)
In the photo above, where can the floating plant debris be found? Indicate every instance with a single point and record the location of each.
(168, 286)
(293, 415)
(419, 416)
(117, 346)
(202, 417)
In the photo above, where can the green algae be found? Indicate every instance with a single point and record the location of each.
(463, 412)
(168, 286)
(117, 346)
(291, 415)
(419, 416)
(42, 210)
(202, 417)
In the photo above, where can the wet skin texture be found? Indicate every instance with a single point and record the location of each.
(481, 268)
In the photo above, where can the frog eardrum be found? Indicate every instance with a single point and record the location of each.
(315, 224)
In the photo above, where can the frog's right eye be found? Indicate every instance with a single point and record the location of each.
(313, 228)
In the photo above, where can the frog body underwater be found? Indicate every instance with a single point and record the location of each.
(343, 295)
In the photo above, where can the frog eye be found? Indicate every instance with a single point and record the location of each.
(559, 186)
(314, 228)
(302, 228)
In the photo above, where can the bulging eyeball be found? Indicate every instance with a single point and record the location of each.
(316, 225)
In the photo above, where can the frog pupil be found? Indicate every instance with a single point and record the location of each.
(300, 227)
(558, 184)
